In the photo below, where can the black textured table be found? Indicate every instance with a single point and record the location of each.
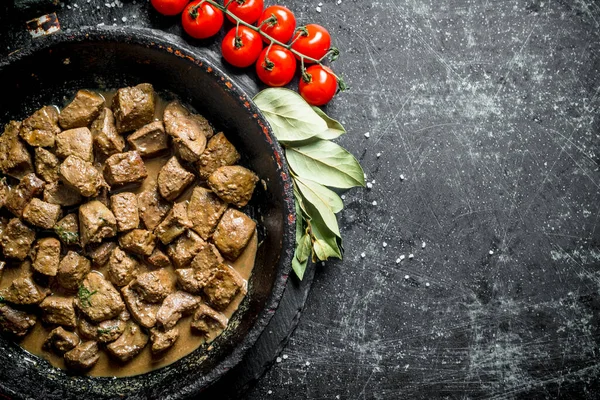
(472, 264)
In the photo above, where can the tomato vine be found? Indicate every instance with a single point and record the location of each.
(309, 44)
(332, 54)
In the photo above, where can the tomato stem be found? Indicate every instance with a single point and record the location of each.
(296, 39)
(271, 21)
(268, 64)
(238, 39)
(306, 77)
(194, 10)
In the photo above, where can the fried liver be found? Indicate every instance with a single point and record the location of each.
(149, 140)
(173, 179)
(75, 142)
(233, 233)
(233, 184)
(219, 152)
(133, 107)
(105, 136)
(15, 160)
(41, 128)
(125, 208)
(80, 112)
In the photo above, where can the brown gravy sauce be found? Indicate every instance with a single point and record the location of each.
(145, 361)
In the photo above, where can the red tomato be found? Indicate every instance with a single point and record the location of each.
(321, 87)
(247, 10)
(276, 66)
(283, 28)
(169, 7)
(241, 51)
(314, 43)
(201, 20)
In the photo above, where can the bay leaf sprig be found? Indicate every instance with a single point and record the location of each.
(316, 164)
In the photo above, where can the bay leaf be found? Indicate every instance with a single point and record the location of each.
(299, 267)
(317, 208)
(328, 196)
(325, 243)
(290, 116)
(334, 128)
(299, 219)
(304, 248)
(326, 162)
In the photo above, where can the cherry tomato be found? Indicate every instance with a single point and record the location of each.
(320, 88)
(247, 10)
(201, 20)
(276, 66)
(314, 42)
(241, 51)
(169, 7)
(283, 29)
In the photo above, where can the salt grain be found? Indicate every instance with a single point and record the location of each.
(339, 1)
(374, 203)
(363, 255)
(278, 359)
(378, 155)
(401, 177)
(369, 185)
(427, 284)
(367, 134)
(398, 260)
(307, 363)
(406, 277)
(270, 392)
(491, 252)
(402, 257)
(285, 356)
(423, 245)
(411, 256)
(318, 9)
(384, 244)
(124, 19)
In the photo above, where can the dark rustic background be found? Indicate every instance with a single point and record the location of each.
(483, 156)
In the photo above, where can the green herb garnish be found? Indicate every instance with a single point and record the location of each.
(84, 295)
(316, 163)
(2, 299)
(66, 236)
(103, 331)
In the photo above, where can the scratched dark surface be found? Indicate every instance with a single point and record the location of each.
(489, 111)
